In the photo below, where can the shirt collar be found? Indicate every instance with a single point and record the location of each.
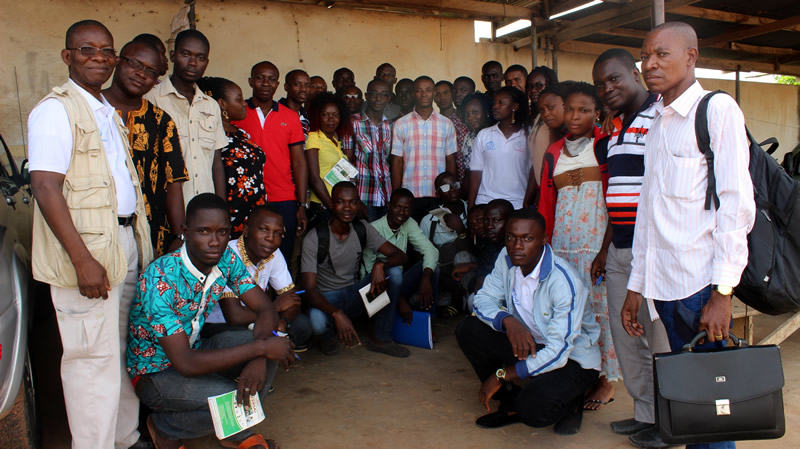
(169, 88)
(534, 274)
(416, 114)
(496, 128)
(94, 103)
(364, 118)
(242, 250)
(686, 101)
(190, 266)
(252, 105)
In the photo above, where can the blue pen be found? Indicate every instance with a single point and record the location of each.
(599, 280)
(285, 335)
(300, 292)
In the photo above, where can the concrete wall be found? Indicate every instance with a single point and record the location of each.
(316, 39)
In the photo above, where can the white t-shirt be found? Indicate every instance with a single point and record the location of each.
(522, 295)
(505, 163)
(50, 144)
(271, 271)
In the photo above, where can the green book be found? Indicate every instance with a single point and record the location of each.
(231, 418)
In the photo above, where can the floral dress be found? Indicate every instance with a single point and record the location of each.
(580, 224)
(244, 162)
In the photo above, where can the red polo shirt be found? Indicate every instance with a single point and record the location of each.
(281, 130)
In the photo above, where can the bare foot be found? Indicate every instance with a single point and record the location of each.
(601, 395)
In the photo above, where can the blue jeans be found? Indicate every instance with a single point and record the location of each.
(180, 404)
(406, 284)
(681, 320)
(349, 301)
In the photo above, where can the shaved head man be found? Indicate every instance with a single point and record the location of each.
(669, 55)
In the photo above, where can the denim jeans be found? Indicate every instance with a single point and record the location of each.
(180, 404)
(405, 283)
(681, 320)
(349, 301)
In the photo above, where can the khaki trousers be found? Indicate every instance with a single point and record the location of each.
(102, 408)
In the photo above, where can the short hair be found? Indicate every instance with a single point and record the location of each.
(345, 128)
(266, 209)
(504, 205)
(143, 43)
(583, 88)
(476, 208)
(253, 69)
(467, 79)
(619, 54)
(485, 102)
(550, 76)
(378, 81)
(382, 66)
(423, 78)
(215, 87)
(402, 192)
(440, 177)
(341, 70)
(150, 39)
(529, 213)
(517, 96)
(343, 185)
(491, 64)
(686, 32)
(404, 80)
(445, 83)
(191, 34)
(558, 89)
(292, 73)
(205, 201)
(73, 29)
(517, 68)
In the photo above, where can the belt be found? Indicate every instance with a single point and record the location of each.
(126, 221)
(577, 177)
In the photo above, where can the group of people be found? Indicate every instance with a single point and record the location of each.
(162, 201)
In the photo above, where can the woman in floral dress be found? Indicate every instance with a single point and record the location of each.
(574, 209)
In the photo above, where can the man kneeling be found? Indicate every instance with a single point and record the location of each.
(173, 369)
(531, 321)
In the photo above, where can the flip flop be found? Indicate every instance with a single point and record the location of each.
(600, 403)
(257, 442)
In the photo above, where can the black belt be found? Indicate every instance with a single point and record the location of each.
(126, 221)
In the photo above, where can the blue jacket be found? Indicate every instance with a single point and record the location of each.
(560, 312)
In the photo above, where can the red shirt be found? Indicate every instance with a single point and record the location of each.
(281, 130)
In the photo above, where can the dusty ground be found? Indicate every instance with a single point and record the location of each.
(359, 399)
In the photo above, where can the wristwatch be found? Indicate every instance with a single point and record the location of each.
(304, 205)
(724, 290)
(500, 374)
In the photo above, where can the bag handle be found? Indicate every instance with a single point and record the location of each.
(688, 346)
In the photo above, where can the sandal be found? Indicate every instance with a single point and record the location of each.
(160, 441)
(257, 442)
(599, 404)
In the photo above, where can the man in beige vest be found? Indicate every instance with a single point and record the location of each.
(90, 238)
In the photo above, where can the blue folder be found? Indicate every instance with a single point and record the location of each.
(417, 334)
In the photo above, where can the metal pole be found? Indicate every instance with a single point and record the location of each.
(555, 57)
(533, 42)
(657, 15)
(738, 84)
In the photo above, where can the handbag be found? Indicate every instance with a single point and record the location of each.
(722, 394)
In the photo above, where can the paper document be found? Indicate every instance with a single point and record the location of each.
(439, 213)
(342, 171)
(231, 418)
(373, 304)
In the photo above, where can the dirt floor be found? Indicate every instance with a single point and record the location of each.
(359, 399)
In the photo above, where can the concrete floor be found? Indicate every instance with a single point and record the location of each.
(359, 399)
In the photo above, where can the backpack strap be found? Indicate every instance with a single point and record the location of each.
(323, 241)
(361, 233)
(704, 143)
(434, 223)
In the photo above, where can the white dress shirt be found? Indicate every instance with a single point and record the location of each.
(679, 247)
(522, 295)
(50, 144)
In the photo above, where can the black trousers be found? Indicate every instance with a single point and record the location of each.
(422, 205)
(545, 399)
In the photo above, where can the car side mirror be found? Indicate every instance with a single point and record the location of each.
(25, 175)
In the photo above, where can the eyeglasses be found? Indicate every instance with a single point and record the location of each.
(352, 96)
(372, 93)
(90, 52)
(138, 66)
(444, 188)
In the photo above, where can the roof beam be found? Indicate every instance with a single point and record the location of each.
(755, 49)
(724, 16)
(467, 9)
(746, 31)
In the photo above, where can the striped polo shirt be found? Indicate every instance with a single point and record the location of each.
(625, 157)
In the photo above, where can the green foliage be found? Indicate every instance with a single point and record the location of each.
(786, 79)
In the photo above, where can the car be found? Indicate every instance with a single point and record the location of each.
(18, 412)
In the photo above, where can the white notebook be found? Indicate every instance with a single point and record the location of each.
(373, 304)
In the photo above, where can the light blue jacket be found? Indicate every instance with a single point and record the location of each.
(560, 312)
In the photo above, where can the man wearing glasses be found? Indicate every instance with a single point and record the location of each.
(90, 238)
(154, 143)
(369, 147)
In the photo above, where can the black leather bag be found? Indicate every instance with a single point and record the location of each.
(727, 394)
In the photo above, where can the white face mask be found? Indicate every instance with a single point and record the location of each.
(578, 146)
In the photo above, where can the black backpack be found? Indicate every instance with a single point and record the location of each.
(771, 281)
(324, 242)
(791, 163)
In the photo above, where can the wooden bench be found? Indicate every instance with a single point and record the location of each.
(776, 337)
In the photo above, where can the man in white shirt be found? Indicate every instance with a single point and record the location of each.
(686, 258)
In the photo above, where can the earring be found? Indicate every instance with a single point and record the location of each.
(513, 113)
(225, 115)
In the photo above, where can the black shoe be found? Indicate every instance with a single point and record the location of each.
(329, 344)
(629, 426)
(570, 424)
(300, 348)
(648, 439)
(389, 348)
(496, 420)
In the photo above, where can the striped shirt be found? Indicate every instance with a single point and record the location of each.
(423, 145)
(371, 144)
(625, 157)
(679, 247)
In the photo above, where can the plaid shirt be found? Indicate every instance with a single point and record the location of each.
(423, 145)
(371, 144)
(461, 128)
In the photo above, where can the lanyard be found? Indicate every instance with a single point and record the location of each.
(208, 282)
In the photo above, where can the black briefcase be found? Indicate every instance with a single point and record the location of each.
(727, 394)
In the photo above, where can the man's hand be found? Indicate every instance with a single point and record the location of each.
(629, 314)
(302, 221)
(378, 279)
(344, 329)
(715, 318)
(92, 279)
(404, 310)
(454, 222)
(599, 265)
(278, 349)
(425, 293)
(251, 380)
(520, 337)
(489, 387)
(286, 301)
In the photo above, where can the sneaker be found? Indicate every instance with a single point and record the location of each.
(328, 343)
(301, 348)
(389, 348)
